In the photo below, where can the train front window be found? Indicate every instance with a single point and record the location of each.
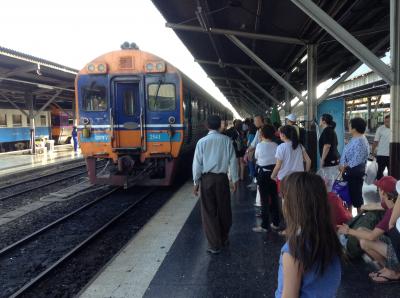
(161, 97)
(94, 98)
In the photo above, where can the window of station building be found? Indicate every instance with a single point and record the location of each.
(164, 100)
(17, 120)
(3, 119)
(129, 103)
(94, 98)
(43, 121)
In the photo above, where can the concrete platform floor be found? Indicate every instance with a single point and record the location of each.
(14, 162)
(155, 264)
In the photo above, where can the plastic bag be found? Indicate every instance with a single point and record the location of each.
(329, 174)
(341, 188)
(370, 173)
(258, 198)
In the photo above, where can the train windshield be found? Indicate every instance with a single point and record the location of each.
(161, 97)
(94, 97)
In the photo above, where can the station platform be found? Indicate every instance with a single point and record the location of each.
(168, 258)
(21, 161)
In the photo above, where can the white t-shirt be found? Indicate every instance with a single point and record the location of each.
(265, 153)
(383, 137)
(292, 160)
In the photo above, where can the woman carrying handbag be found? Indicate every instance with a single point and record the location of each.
(353, 161)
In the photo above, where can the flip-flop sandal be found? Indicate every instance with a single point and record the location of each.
(274, 228)
(387, 280)
(374, 274)
(282, 233)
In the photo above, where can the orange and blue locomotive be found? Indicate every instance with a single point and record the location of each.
(140, 113)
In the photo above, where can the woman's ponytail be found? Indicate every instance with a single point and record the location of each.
(294, 138)
(291, 133)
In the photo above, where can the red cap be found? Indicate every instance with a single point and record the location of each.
(387, 183)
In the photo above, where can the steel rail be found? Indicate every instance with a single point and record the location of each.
(12, 246)
(77, 248)
(40, 177)
(39, 186)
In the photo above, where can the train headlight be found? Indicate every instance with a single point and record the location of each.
(85, 120)
(101, 68)
(155, 66)
(97, 68)
(91, 68)
(160, 66)
(171, 120)
(149, 67)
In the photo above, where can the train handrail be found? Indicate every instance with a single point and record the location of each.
(142, 129)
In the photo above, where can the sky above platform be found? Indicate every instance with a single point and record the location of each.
(75, 32)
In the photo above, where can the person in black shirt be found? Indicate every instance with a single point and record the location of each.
(328, 142)
(239, 144)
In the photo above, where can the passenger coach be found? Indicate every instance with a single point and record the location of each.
(142, 114)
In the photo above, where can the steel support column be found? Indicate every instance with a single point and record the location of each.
(264, 66)
(31, 116)
(395, 88)
(368, 113)
(288, 108)
(345, 38)
(311, 132)
(311, 83)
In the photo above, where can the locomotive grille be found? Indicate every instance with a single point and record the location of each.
(126, 62)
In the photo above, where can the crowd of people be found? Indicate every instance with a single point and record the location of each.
(298, 204)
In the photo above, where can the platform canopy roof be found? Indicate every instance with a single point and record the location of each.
(22, 75)
(278, 32)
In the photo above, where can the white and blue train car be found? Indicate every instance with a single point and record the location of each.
(15, 128)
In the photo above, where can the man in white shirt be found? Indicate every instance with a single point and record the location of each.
(213, 156)
(259, 123)
(382, 141)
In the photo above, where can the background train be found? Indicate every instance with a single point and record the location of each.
(61, 125)
(15, 127)
(142, 114)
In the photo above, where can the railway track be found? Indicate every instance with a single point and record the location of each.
(34, 174)
(19, 188)
(16, 254)
(38, 177)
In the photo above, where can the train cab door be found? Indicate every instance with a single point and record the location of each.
(128, 115)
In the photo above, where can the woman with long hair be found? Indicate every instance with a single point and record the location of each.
(290, 156)
(309, 265)
(328, 142)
